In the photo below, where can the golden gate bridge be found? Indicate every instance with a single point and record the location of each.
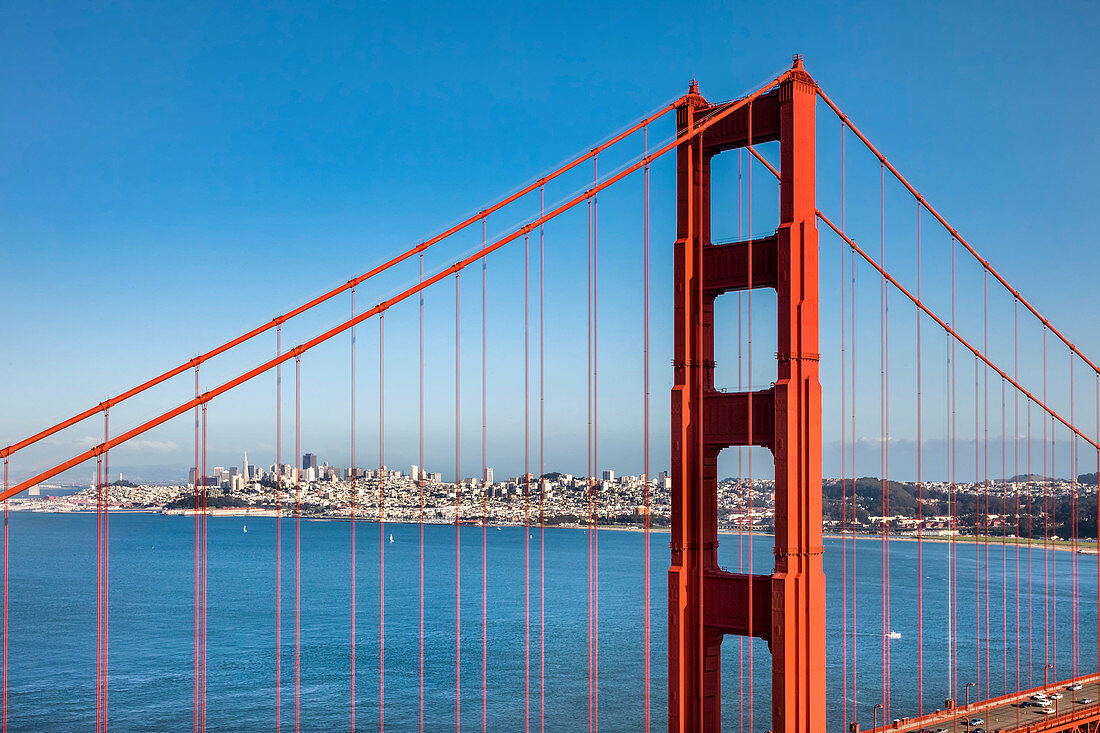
(774, 131)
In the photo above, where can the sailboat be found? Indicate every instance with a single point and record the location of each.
(245, 529)
(391, 538)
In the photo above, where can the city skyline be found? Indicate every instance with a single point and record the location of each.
(238, 223)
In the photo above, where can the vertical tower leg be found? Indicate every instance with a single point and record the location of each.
(694, 657)
(798, 584)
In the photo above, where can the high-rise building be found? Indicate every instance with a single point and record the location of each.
(309, 460)
(608, 475)
(489, 475)
(414, 472)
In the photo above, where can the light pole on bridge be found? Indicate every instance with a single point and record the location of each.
(968, 686)
(874, 723)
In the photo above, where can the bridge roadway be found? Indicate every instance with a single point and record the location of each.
(1007, 713)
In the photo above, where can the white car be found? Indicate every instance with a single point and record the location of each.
(1047, 711)
(1085, 700)
(1039, 696)
(1055, 696)
(1075, 686)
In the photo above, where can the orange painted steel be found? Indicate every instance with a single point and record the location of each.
(336, 330)
(954, 232)
(1076, 716)
(279, 320)
(786, 608)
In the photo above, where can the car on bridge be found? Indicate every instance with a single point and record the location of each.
(975, 721)
(1085, 701)
(1074, 687)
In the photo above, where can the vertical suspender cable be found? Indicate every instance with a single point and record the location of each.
(278, 522)
(852, 331)
(526, 484)
(4, 708)
(1052, 524)
(484, 498)
(205, 512)
(985, 454)
(645, 432)
(458, 504)
(1046, 523)
(953, 595)
(1073, 525)
(354, 513)
(843, 460)
(1004, 549)
(920, 495)
(591, 529)
(107, 576)
(297, 543)
(382, 471)
(977, 537)
(542, 463)
(200, 480)
(99, 602)
(1016, 473)
(420, 483)
(1030, 546)
(595, 451)
(884, 569)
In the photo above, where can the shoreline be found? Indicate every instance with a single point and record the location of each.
(1083, 546)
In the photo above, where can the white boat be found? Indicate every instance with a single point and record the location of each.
(245, 529)
(391, 538)
(894, 635)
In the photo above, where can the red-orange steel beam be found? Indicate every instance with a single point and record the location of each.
(952, 332)
(336, 330)
(279, 320)
(954, 232)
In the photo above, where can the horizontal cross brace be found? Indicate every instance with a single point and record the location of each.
(735, 131)
(726, 266)
(727, 599)
(726, 418)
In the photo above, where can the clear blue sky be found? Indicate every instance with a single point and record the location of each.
(173, 174)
